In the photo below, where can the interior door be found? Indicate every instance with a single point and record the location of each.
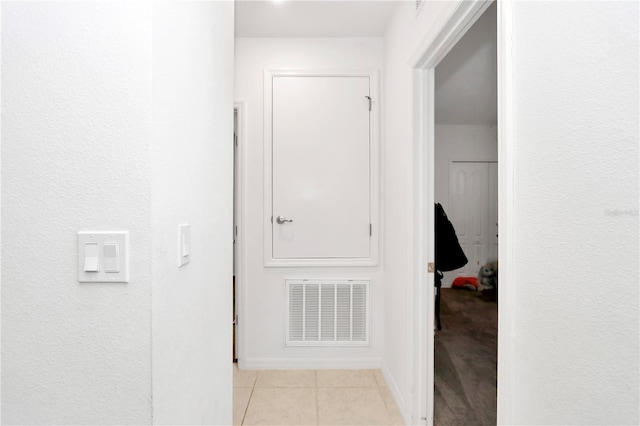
(469, 212)
(321, 167)
(493, 211)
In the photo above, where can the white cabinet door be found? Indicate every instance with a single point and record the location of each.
(320, 167)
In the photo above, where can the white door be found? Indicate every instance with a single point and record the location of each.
(320, 164)
(493, 212)
(473, 211)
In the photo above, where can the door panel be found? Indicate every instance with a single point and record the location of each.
(493, 211)
(468, 198)
(320, 163)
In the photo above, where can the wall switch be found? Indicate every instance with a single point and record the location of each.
(91, 258)
(111, 258)
(184, 244)
(103, 257)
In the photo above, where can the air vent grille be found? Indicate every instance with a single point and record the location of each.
(327, 313)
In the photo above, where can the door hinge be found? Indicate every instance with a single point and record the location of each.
(236, 231)
(369, 99)
(235, 139)
(431, 267)
(370, 230)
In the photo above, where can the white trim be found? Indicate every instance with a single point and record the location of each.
(311, 363)
(318, 262)
(241, 341)
(421, 299)
(432, 51)
(506, 218)
(421, 295)
(395, 391)
(374, 173)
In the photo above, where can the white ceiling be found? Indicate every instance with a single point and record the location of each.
(466, 79)
(313, 18)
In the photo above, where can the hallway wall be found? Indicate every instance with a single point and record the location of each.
(403, 36)
(574, 357)
(76, 110)
(263, 313)
(572, 353)
(101, 133)
(192, 182)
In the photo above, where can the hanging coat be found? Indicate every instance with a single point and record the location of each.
(449, 254)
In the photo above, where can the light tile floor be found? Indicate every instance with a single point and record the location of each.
(312, 397)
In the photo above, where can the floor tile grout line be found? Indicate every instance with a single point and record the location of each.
(246, 409)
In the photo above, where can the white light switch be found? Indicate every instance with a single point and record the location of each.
(103, 256)
(111, 258)
(184, 244)
(91, 260)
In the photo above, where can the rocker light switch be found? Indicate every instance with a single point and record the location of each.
(184, 244)
(103, 256)
(111, 258)
(91, 260)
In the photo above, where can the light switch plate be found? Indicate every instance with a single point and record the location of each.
(184, 244)
(105, 272)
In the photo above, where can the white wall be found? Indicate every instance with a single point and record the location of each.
(262, 316)
(76, 87)
(460, 143)
(402, 38)
(576, 133)
(82, 151)
(575, 355)
(192, 182)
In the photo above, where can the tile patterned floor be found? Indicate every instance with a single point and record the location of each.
(312, 397)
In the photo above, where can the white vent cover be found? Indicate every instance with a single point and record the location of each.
(327, 313)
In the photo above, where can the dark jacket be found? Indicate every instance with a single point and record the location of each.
(449, 254)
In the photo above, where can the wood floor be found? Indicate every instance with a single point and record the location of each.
(466, 359)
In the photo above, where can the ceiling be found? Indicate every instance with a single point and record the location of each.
(466, 79)
(313, 18)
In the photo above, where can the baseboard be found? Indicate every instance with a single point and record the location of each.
(310, 363)
(405, 410)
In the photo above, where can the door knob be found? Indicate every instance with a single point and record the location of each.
(282, 219)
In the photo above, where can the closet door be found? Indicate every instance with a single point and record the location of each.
(469, 211)
(320, 167)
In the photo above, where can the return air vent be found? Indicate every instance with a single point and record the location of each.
(327, 313)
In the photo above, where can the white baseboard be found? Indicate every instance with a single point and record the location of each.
(405, 411)
(309, 363)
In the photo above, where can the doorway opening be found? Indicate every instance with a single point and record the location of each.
(424, 64)
(466, 188)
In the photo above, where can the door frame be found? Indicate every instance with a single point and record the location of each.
(421, 295)
(240, 108)
(375, 198)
